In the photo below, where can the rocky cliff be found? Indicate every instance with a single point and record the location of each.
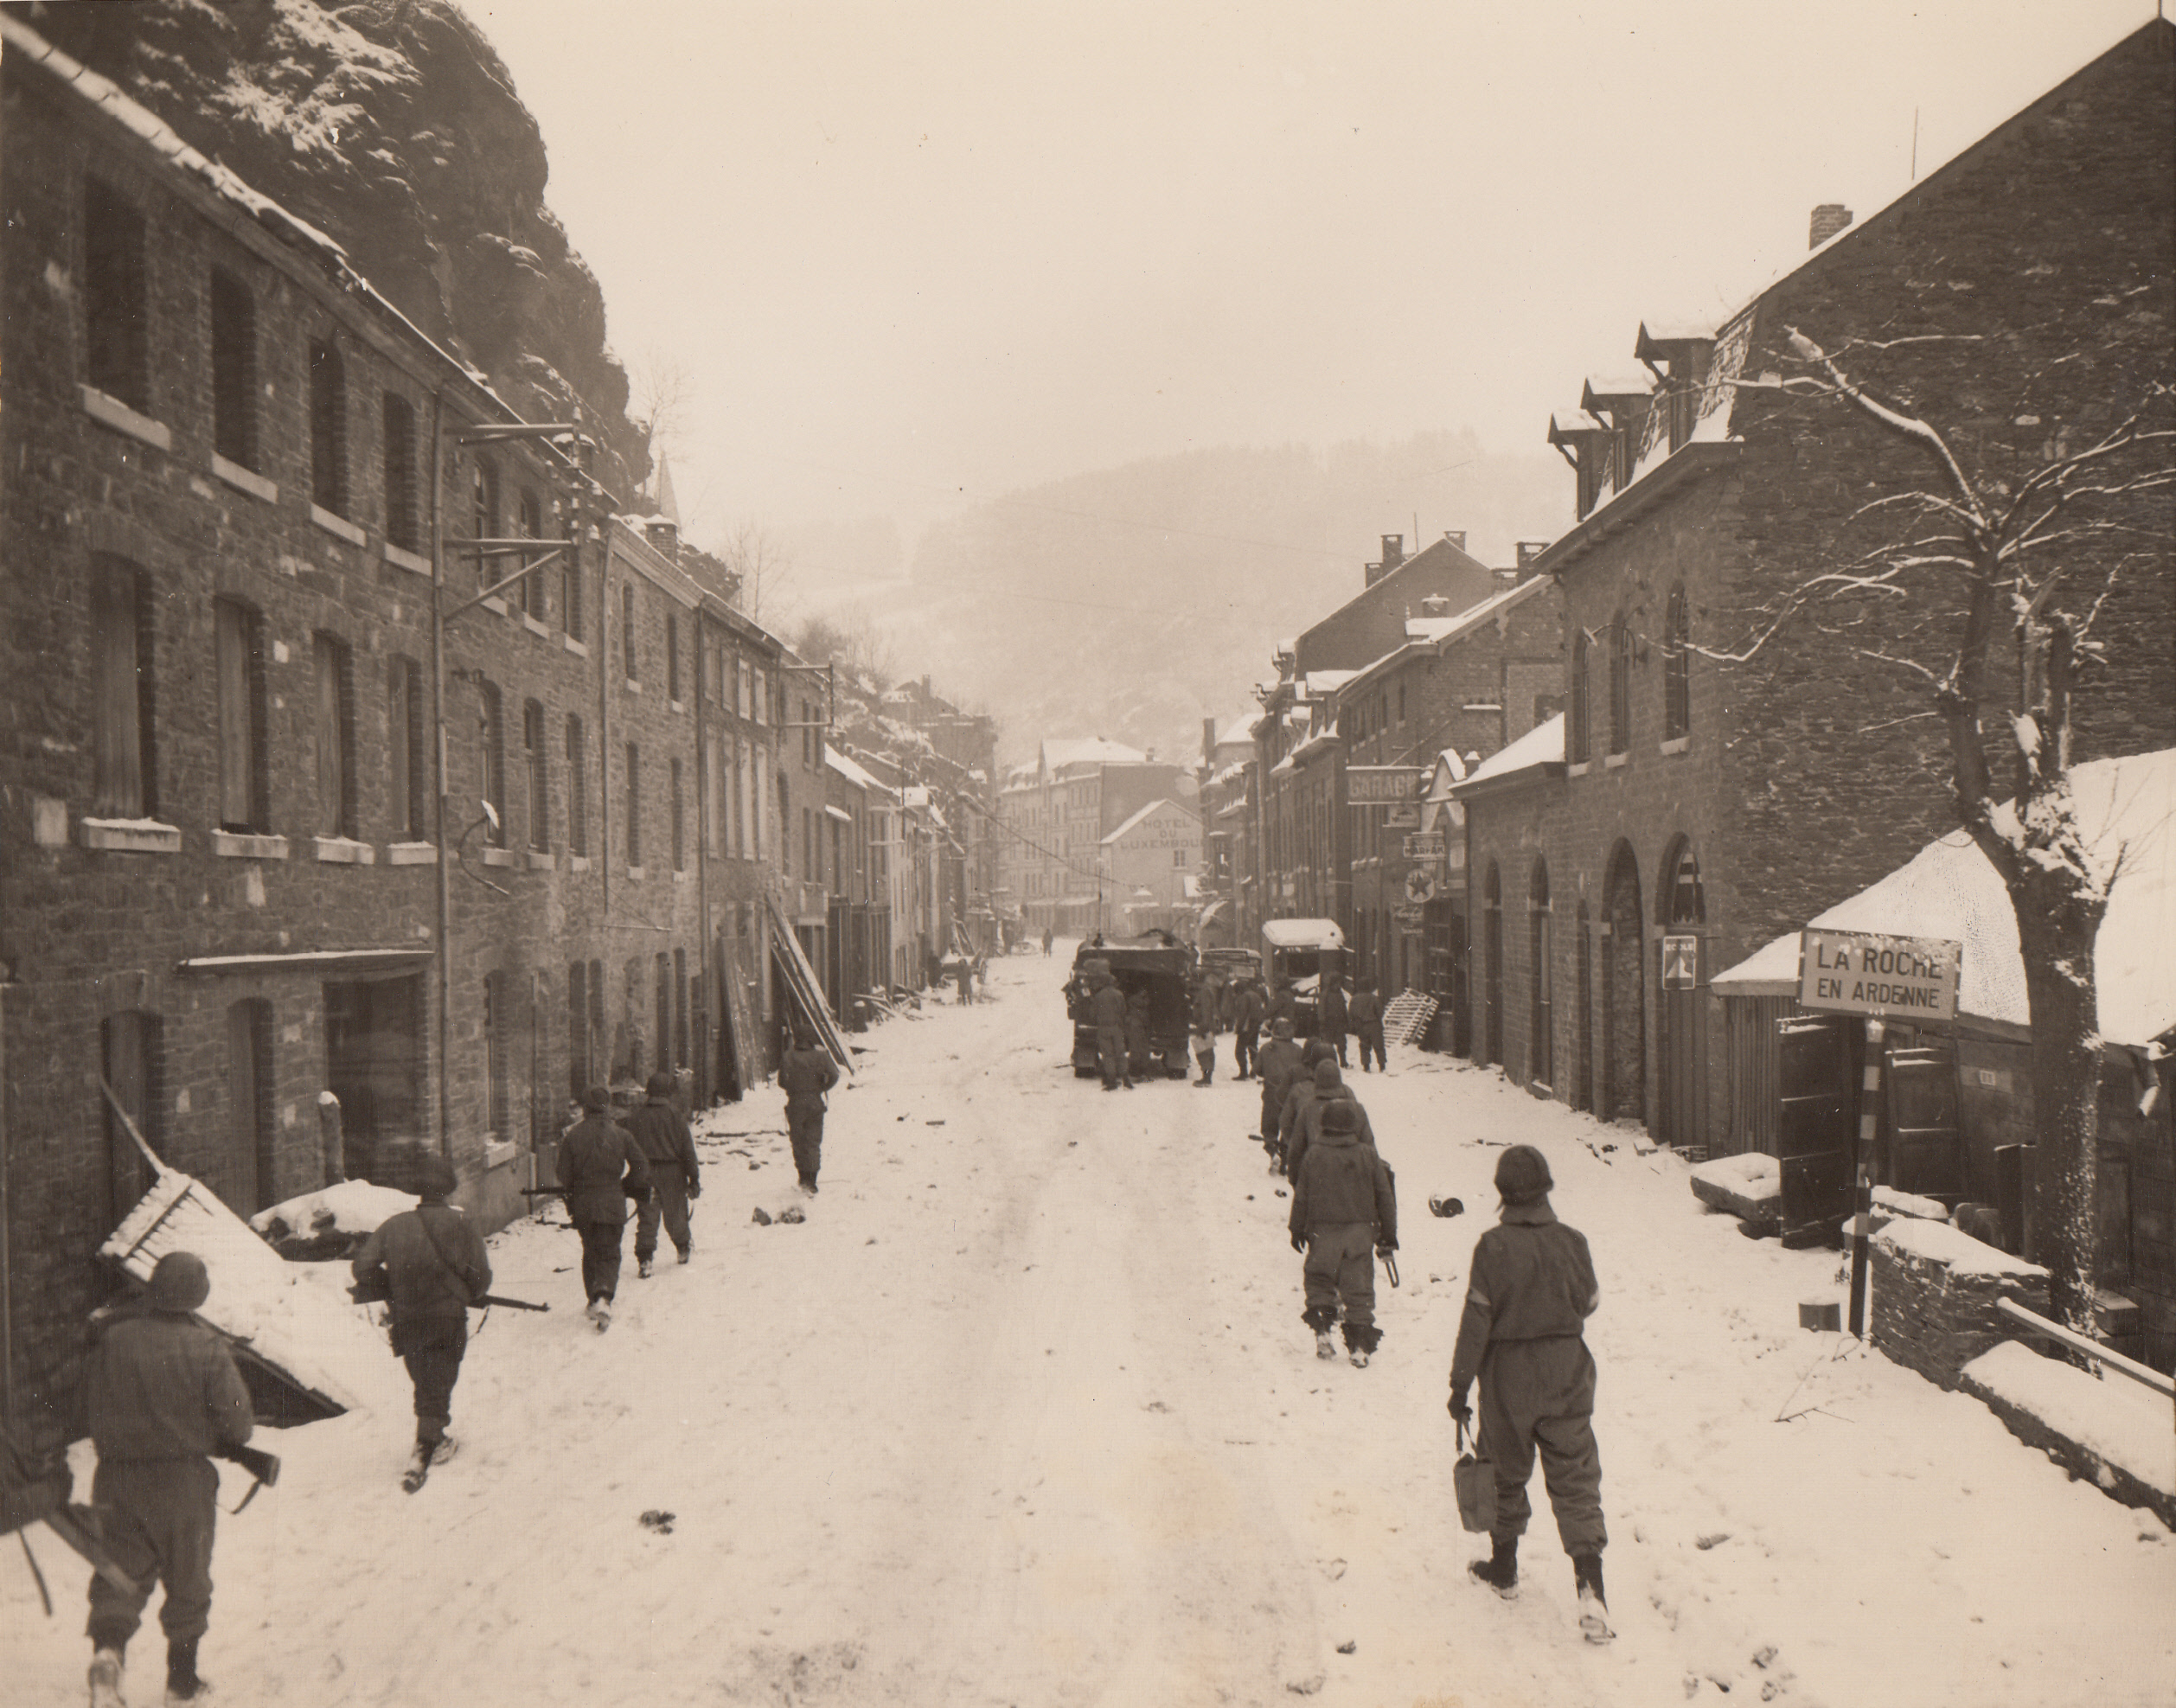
(392, 126)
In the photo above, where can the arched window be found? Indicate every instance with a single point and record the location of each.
(1620, 685)
(1577, 746)
(1541, 1031)
(1677, 684)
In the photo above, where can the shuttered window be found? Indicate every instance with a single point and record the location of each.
(328, 427)
(121, 686)
(243, 773)
(234, 370)
(539, 771)
(335, 739)
(405, 749)
(401, 471)
(577, 789)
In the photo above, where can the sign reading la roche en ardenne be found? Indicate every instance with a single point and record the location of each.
(1884, 977)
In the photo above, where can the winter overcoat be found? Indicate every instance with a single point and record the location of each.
(1277, 1063)
(1364, 1010)
(805, 1075)
(600, 1166)
(663, 1137)
(1343, 1181)
(427, 1279)
(1533, 1279)
(1252, 1008)
(1306, 1122)
(1107, 1008)
(1331, 1006)
(162, 1386)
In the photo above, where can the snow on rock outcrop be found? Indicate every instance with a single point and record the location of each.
(392, 126)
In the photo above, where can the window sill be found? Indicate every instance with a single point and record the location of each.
(1579, 769)
(679, 876)
(247, 845)
(577, 862)
(637, 872)
(633, 687)
(111, 412)
(401, 558)
(532, 625)
(541, 859)
(1611, 761)
(412, 853)
(493, 602)
(344, 851)
(1677, 745)
(129, 835)
(580, 649)
(498, 1152)
(502, 857)
(676, 705)
(244, 480)
(339, 526)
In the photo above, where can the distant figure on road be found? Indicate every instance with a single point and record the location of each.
(675, 1175)
(1344, 1210)
(1250, 1008)
(1107, 1008)
(600, 1168)
(1530, 1291)
(804, 1076)
(1202, 1028)
(434, 1268)
(1275, 1067)
(965, 975)
(1049, 937)
(1364, 1015)
(162, 1397)
(1331, 1014)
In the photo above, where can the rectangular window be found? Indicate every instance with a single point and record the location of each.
(234, 370)
(683, 1057)
(335, 732)
(577, 789)
(484, 514)
(248, 1179)
(627, 630)
(633, 804)
(530, 512)
(328, 427)
(570, 588)
(713, 805)
(672, 657)
(121, 675)
(664, 1010)
(578, 1075)
(401, 471)
(742, 794)
(115, 290)
(129, 1050)
(494, 730)
(244, 771)
(496, 1054)
(761, 698)
(405, 749)
(680, 859)
(539, 802)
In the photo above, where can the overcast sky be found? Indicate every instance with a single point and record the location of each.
(907, 255)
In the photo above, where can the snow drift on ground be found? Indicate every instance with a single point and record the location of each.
(1024, 1414)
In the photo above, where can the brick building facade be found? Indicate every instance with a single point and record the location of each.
(1699, 793)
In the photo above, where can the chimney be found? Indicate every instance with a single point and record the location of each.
(1529, 551)
(1456, 538)
(1393, 551)
(664, 534)
(1209, 738)
(1505, 577)
(1829, 218)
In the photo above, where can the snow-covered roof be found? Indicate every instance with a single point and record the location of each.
(1060, 755)
(2126, 813)
(1154, 807)
(1303, 934)
(1316, 683)
(852, 772)
(1440, 630)
(1542, 744)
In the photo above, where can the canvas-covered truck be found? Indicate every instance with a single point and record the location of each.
(1154, 972)
(1298, 952)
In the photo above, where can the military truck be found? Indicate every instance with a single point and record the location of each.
(1155, 971)
(1298, 952)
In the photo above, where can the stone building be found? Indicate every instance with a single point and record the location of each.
(1052, 817)
(1146, 863)
(1704, 793)
(310, 800)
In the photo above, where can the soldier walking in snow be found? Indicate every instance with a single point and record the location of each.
(1251, 1005)
(804, 1076)
(1344, 1210)
(1275, 1067)
(601, 1167)
(432, 1263)
(1203, 1031)
(1303, 1105)
(1531, 1290)
(1107, 1008)
(162, 1397)
(1364, 1015)
(1330, 1013)
(675, 1174)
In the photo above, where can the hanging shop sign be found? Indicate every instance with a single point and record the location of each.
(1420, 886)
(1405, 817)
(1383, 785)
(1425, 845)
(1882, 977)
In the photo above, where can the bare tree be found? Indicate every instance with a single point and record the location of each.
(1981, 580)
(761, 560)
(663, 396)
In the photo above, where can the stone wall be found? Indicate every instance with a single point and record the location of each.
(1935, 1290)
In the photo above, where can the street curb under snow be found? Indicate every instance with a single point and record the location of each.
(2110, 1433)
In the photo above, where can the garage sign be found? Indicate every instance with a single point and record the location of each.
(1882, 977)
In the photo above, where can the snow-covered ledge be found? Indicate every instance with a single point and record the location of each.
(339, 526)
(246, 845)
(111, 412)
(401, 558)
(130, 835)
(244, 480)
(344, 851)
(411, 853)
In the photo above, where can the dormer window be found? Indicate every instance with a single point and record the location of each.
(1582, 441)
(1679, 355)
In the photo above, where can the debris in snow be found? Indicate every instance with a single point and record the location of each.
(762, 1217)
(1764, 1656)
(1334, 1569)
(1350, 1645)
(1708, 1541)
(793, 1213)
(932, 1123)
(661, 1522)
(1305, 1686)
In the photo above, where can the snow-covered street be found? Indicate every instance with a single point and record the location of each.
(1024, 1414)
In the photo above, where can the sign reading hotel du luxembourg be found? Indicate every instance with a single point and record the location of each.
(1882, 977)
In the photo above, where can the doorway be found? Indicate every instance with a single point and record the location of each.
(374, 1064)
